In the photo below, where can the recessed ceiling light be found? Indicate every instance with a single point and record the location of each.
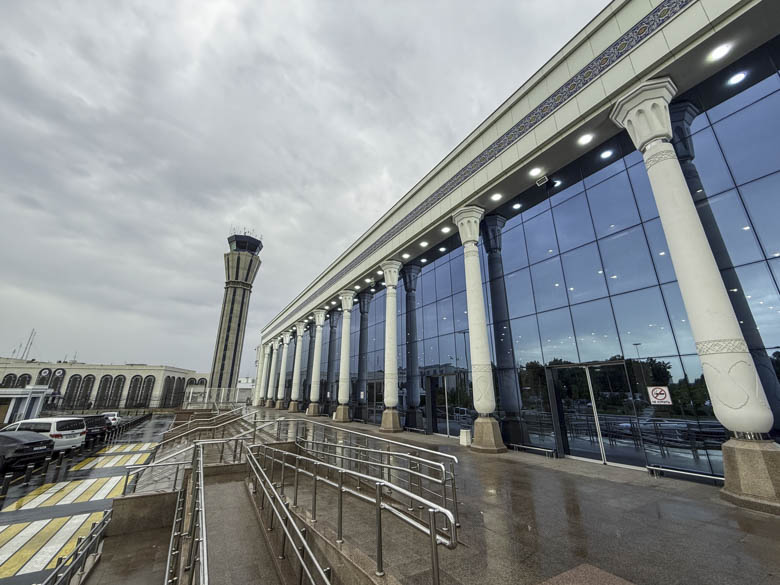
(557, 183)
(383, 283)
(535, 172)
(423, 244)
(517, 206)
(496, 197)
(373, 290)
(736, 78)
(357, 287)
(367, 280)
(442, 249)
(326, 307)
(606, 154)
(404, 255)
(423, 260)
(446, 229)
(719, 52)
(333, 302)
(380, 272)
(585, 139)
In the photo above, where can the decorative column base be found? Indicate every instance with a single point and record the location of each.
(487, 436)
(391, 421)
(280, 405)
(342, 413)
(752, 474)
(314, 409)
(293, 406)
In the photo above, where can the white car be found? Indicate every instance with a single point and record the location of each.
(67, 433)
(113, 417)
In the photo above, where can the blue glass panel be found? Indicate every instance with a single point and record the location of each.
(728, 230)
(458, 274)
(548, 284)
(429, 323)
(608, 171)
(612, 205)
(584, 274)
(572, 223)
(633, 158)
(519, 294)
(443, 280)
(536, 209)
(513, 249)
(641, 319)
(749, 139)
(744, 98)
(759, 310)
(640, 183)
(447, 350)
(679, 318)
(762, 199)
(540, 237)
(459, 308)
(594, 325)
(445, 317)
(710, 165)
(567, 193)
(431, 352)
(659, 251)
(557, 336)
(627, 261)
(525, 339)
(428, 283)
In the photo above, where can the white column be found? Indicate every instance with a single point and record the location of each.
(342, 411)
(282, 370)
(262, 377)
(314, 394)
(271, 383)
(738, 399)
(391, 422)
(487, 435)
(295, 393)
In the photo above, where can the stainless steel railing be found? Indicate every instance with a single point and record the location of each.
(193, 423)
(197, 432)
(321, 472)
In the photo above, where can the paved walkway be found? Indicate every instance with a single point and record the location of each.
(531, 520)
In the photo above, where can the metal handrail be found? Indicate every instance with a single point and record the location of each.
(448, 538)
(75, 562)
(214, 427)
(291, 531)
(202, 420)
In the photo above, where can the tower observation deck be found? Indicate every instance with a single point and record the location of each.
(241, 266)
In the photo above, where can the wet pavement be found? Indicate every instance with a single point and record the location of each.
(43, 521)
(527, 519)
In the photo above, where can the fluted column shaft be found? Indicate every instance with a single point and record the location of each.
(295, 393)
(390, 417)
(342, 413)
(272, 379)
(282, 370)
(262, 376)
(314, 392)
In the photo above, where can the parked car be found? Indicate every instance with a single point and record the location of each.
(113, 418)
(98, 425)
(22, 447)
(68, 433)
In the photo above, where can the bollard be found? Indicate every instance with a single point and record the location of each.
(4, 488)
(45, 469)
(380, 570)
(28, 473)
(434, 549)
(60, 458)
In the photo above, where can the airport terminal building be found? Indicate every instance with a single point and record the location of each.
(593, 272)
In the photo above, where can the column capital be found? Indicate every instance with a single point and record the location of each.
(266, 349)
(492, 227)
(286, 337)
(334, 317)
(347, 299)
(390, 269)
(644, 111)
(364, 301)
(467, 219)
(410, 272)
(319, 317)
(300, 328)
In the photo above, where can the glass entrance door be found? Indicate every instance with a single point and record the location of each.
(598, 414)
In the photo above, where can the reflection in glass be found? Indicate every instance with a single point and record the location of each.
(642, 322)
(584, 274)
(540, 237)
(519, 295)
(712, 170)
(679, 318)
(513, 252)
(659, 251)
(763, 205)
(612, 205)
(594, 325)
(640, 183)
(762, 326)
(572, 223)
(627, 263)
(549, 286)
(525, 339)
(731, 238)
(557, 337)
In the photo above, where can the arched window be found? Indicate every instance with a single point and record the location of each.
(71, 391)
(56, 380)
(43, 377)
(167, 393)
(191, 382)
(87, 384)
(202, 382)
(8, 381)
(133, 392)
(178, 392)
(146, 393)
(101, 398)
(23, 380)
(116, 392)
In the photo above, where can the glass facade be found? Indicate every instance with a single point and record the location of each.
(583, 307)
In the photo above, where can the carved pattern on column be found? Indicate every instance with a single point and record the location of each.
(721, 346)
(661, 156)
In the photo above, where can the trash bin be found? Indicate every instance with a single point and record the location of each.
(465, 437)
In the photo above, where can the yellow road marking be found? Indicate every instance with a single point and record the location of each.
(20, 557)
(117, 490)
(61, 494)
(82, 464)
(71, 544)
(93, 489)
(29, 497)
(12, 531)
(143, 459)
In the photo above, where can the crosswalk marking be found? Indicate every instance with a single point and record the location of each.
(69, 492)
(90, 492)
(18, 541)
(109, 485)
(11, 530)
(127, 448)
(53, 498)
(77, 489)
(71, 544)
(15, 561)
(41, 558)
(112, 461)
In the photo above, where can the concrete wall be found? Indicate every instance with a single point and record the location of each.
(137, 513)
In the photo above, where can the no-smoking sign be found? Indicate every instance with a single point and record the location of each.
(659, 395)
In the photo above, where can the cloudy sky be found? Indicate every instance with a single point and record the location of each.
(134, 134)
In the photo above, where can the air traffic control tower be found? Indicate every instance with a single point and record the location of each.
(241, 266)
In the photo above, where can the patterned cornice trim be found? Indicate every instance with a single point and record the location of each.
(665, 11)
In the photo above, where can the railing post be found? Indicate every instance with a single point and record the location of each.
(434, 547)
(314, 493)
(380, 569)
(295, 482)
(284, 465)
(285, 509)
(340, 509)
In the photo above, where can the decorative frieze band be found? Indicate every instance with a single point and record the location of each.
(661, 14)
(721, 346)
(663, 155)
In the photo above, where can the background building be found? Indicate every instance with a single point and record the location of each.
(593, 271)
